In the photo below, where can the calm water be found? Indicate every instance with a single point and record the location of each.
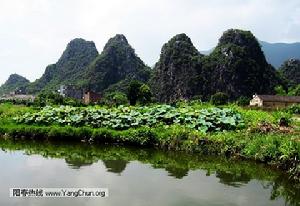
(138, 176)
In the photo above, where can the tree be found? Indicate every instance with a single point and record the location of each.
(48, 98)
(144, 95)
(115, 99)
(133, 91)
(294, 91)
(243, 101)
(280, 90)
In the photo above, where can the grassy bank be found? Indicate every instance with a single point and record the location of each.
(201, 128)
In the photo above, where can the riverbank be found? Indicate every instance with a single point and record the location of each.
(253, 135)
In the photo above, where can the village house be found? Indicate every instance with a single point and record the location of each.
(274, 101)
(91, 97)
(18, 94)
(71, 91)
(24, 97)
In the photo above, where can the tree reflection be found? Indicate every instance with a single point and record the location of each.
(178, 164)
(235, 179)
(115, 166)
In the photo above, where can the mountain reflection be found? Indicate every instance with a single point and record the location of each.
(178, 164)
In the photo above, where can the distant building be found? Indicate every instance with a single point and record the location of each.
(91, 97)
(71, 91)
(18, 97)
(274, 100)
(18, 91)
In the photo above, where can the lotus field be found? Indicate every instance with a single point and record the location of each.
(123, 117)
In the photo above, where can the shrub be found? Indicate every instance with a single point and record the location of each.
(243, 101)
(219, 98)
(294, 109)
(115, 99)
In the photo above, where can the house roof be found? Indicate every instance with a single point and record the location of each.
(276, 98)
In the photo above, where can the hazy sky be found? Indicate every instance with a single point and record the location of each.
(34, 33)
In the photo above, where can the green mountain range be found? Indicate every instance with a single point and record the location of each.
(115, 67)
(176, 69)
(276, 53)
(13, 83)
(237, 67)
(70, 67)
(290, 71)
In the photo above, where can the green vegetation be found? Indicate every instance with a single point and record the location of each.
(133, 91)
(13, 83)
(175, 74)
(115, 67)
(237, 67)
(219, 98)
(115, 99)
(193, 126)
(290, 70)
(243, 101)
(49, 98)
(290, 91)
(294, 109)
(139, 93)
(205, 120)
(69, 69)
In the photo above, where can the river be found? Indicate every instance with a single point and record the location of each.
(138, 176)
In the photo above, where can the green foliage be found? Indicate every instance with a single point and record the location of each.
(278, 115)
(44, 99)
(294, 91)
(190, 127)
(50, 98)
(243, 101)
(8, 110)
(115, 99)
(205, 120)
(133, 92)
(294, 109)
(138, 93)
(290, 70)
(219, 98)
(144, 94)
(253, 118)
(280, 90)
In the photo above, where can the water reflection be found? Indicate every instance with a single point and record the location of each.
(178, 173)
(235, 179)
(115, 166)
(177, 165)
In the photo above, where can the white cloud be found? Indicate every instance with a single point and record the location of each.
(34, 33)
